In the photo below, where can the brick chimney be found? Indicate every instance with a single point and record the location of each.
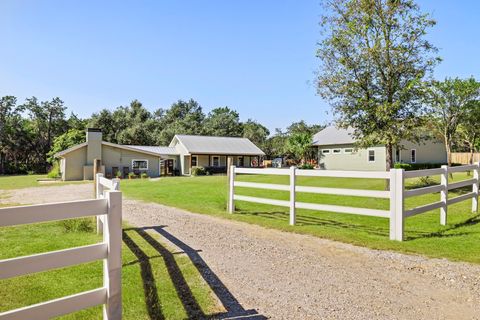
(94, 145)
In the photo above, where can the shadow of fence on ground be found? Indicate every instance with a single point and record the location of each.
(233, 308)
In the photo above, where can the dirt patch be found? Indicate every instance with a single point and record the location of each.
(259, 272)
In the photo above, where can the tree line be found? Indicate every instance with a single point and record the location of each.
(32, 132)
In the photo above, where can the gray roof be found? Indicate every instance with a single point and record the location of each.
(332, 135)
(159, 150)
(218, 145)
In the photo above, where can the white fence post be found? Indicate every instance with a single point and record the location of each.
(231, 190)
(112, 265)
(397, 204)
(292, 195)
(393, 203)
(475, 187)
(99, 194)
(444, 196)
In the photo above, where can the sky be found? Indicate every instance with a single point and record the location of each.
(257, 57)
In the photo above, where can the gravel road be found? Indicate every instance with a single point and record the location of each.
(261, 273)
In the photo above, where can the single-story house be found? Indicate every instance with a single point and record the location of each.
(337, 151)
(183, 153)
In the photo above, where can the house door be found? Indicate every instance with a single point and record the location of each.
(126, 170)
(168, 167)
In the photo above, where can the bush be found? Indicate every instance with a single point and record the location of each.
(216, 170)
(78, 225)
(418, 166)
(118, 174)
(55, 171)
(198, 171)
(131, 175)
(307, 166)
(144, 175)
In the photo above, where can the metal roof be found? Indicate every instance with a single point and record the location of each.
(332, 135)
(170, 151)
(217, 145)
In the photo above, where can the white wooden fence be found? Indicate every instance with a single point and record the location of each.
(102, 185)
(110, 206)
(397, 193)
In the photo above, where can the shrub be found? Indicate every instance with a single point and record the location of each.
(55, 171)
(216, 170)
(118, 174)
(307, 166)
(418, 166)
(426, 181)
(405, 166)
(198, 171)
(144, 175)
(131, 175)
(78, 225)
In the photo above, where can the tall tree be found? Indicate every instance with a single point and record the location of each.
(303, 127)
(7, 111)
(469, 129)
(255, 132)
(449, 103)
(223, 122)
(374, 56)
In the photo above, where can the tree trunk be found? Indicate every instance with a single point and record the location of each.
(389, 163)
(449, 153)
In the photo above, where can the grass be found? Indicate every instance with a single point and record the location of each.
(10, 182)
(459, 240)
(158, 282)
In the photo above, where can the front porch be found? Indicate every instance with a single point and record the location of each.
(218, 163)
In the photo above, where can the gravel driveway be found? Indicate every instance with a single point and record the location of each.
(257, 272)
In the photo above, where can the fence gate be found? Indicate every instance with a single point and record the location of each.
(109, 250)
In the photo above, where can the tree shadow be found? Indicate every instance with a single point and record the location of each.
(190, 304)
(444, 232)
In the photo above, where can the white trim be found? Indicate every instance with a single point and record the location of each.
(141, 169)
(398, 158)
(413, 150)
(368, 155)
(337, 149)
(346, 152)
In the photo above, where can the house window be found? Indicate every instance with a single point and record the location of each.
(326, 151)
(194, 161)
(347, 150)
(397, 155)
(216, 161)
(413, 156)
(140, 164)
(240, 161)
(337, 151)
(371, 155)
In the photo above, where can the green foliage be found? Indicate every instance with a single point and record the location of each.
(374, 56)
(118, 174)
(299, 145)
(144, 175)
(78, 225)
(132, 175)
(64, 141)
(198, 171)
(255, 132)
(452, 102)
(54, 171)
(405, 166)
(307, 166)
(223, 122)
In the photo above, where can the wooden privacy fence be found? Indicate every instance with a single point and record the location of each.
(397, 193)
(465, 157)
(110, 207)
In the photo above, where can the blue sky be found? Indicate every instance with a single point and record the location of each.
(257, 57)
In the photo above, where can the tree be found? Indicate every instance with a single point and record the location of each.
(276, 144)
(303, 127)
(182, 118)
(64, 141)
(7, 111)
(223, 122)
(448, 102)
(374, 56)
(469, 129)
(299, 145)
(255, 132)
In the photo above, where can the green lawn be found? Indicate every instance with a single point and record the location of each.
(157, 283)
(459, 240)
(27, 181)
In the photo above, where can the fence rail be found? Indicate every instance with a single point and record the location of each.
(397, 193)
(110, 207)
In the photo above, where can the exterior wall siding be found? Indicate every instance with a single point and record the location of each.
(73, 164)
(357, 160)
(116, 157)
(427, 152)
